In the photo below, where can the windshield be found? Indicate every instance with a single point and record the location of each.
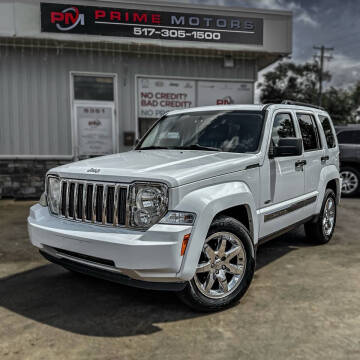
(231, 131)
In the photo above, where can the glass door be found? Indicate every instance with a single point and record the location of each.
(94, 115)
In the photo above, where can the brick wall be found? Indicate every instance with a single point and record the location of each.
(24, 179)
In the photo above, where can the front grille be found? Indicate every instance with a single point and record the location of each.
(96, 202)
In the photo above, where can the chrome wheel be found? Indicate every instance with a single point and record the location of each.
(221, 266)
(350, 182)
(328, 220)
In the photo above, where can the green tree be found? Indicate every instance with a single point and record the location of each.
(339, 103)
(356, 95)
(290, 81)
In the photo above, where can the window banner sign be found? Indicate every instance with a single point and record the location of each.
(146, 24)
(157, 96)
(224, 93)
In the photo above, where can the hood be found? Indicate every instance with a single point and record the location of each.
(174, 167)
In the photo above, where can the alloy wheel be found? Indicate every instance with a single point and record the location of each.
(328, 221)
(221, 266)
(350, 182)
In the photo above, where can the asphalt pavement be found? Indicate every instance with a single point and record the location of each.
(304, 303)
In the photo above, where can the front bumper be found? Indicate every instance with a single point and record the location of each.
(152, 256)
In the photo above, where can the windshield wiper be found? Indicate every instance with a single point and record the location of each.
(189, 147)
(153, 147)
(197, 147)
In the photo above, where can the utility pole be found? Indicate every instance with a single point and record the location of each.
(322, 56)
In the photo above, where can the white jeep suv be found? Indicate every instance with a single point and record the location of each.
(186, 209)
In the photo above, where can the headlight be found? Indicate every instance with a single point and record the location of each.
(53, 194)
(178, 218)
(148, 204)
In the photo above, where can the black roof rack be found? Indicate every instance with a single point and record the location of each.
(291, 102)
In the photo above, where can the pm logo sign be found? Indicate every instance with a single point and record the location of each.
(150, 24)
(67, 19)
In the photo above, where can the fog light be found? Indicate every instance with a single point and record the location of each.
(184, 244)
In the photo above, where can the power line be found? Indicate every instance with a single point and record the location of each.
(322, 56)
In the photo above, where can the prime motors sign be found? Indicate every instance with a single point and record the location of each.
(146, 24)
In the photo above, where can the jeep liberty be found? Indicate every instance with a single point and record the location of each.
(186, 209)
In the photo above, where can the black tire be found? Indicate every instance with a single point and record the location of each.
(315, 230)
(192, 296)
(356, 173)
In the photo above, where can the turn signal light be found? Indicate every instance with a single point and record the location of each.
(184, 243)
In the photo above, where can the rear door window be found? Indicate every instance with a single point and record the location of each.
(309, 132)
(329, 135)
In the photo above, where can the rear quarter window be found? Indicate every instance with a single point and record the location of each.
(328, 131)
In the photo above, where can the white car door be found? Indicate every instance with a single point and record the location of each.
(282, 179)
(314, 153)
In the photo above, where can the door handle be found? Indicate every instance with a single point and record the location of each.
(299, 165)
(324, 159)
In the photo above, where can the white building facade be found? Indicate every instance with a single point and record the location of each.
(87, 78)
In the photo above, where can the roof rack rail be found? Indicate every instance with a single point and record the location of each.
(291, 102)
(267, 105)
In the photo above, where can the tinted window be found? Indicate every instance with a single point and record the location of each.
(232, 131)
(349, 137)
(99, 88)
(308, 131)
(330, 138)
(283, 128)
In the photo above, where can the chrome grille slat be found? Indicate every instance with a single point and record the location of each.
(76, 200)
(116, 203)
(93, 204)
(61, 197)
(67, 199)
(103, 213)
(71, 200)
(104, 205)
(84, 197)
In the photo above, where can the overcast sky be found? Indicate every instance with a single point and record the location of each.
(333, 23)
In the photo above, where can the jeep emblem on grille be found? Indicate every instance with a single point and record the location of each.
(93, 170)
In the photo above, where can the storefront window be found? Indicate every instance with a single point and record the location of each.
(99, 88)
(157, 96)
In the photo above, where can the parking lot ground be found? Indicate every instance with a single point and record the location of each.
(304, 303)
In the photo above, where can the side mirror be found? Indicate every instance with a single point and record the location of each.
(288, 147)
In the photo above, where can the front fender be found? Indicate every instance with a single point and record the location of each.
(207, 203)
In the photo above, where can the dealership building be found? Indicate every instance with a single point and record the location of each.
(86, 78)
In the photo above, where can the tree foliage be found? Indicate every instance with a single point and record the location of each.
(300, 82)
(339, 104)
